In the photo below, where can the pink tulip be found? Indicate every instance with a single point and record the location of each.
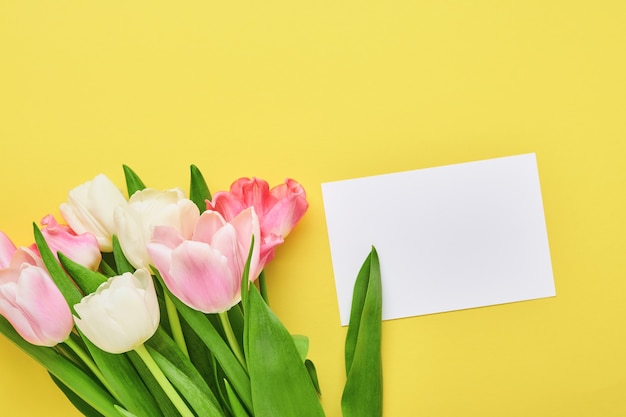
(279, 209)
(205, 272)
(29, 299)
(82, 249)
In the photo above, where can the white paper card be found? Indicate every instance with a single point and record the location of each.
(448, 238)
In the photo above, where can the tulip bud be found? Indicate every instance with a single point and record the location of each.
(145, 210)
(90, 207)
(122, 314)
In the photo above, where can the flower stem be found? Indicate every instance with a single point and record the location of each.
(169, 390)
(91, 365)
(232, 340)
(177, 331)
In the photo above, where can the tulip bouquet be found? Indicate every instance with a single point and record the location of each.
(156, 305)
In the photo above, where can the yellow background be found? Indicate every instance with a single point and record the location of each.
(329, 90)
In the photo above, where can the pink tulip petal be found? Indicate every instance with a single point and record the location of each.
(161, 255)
(256, 192)
(28, 256)
(247, 224)
(207, 225)
(284, 215)
(82, 249)
(210, 285)
(45, 304)
(7, 249)
(227, 204)
(34, 306)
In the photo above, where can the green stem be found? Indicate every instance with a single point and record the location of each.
(232, 340)
(91, 365)
(169, 390)
(177, 331)
(263, 287)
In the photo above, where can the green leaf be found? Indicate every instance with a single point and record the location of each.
(60, 278)
(263, 287)
(65, 371)
(202, 403)
(363, 344)
(163, 344)
(133, 182)
(86, 279)
(164, 403)
(124, 413)
(198, 189)
(120, 260)
(235, 404)
(235, 317)
(125, 381)
(302, 344)
(279, 380)
(310, 367)
(106, 269)
(218, 347)
(80, 404)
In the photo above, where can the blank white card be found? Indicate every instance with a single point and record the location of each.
(448, 238)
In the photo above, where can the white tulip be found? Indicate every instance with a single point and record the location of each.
(146, 209)
(90, 207)
(122, 314)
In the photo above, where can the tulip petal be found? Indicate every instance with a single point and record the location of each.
(207, 225)
(7, 249)
(90, 207)
(210, 285)
(167, 236)
(247, 224)
(34, 305)
(227, 204)
(82, 249)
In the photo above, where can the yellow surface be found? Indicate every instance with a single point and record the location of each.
(329, 90)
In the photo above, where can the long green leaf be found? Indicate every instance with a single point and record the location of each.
(124, 413)
(236, 407)
(167, 408)
(124, 379)
(121, 262)
(162, 343)
(280, 382)
(363, 344)
(133, 182)
(65, 371)
(198, 189)
(302, 344)
(201, 403)
(310, 367)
